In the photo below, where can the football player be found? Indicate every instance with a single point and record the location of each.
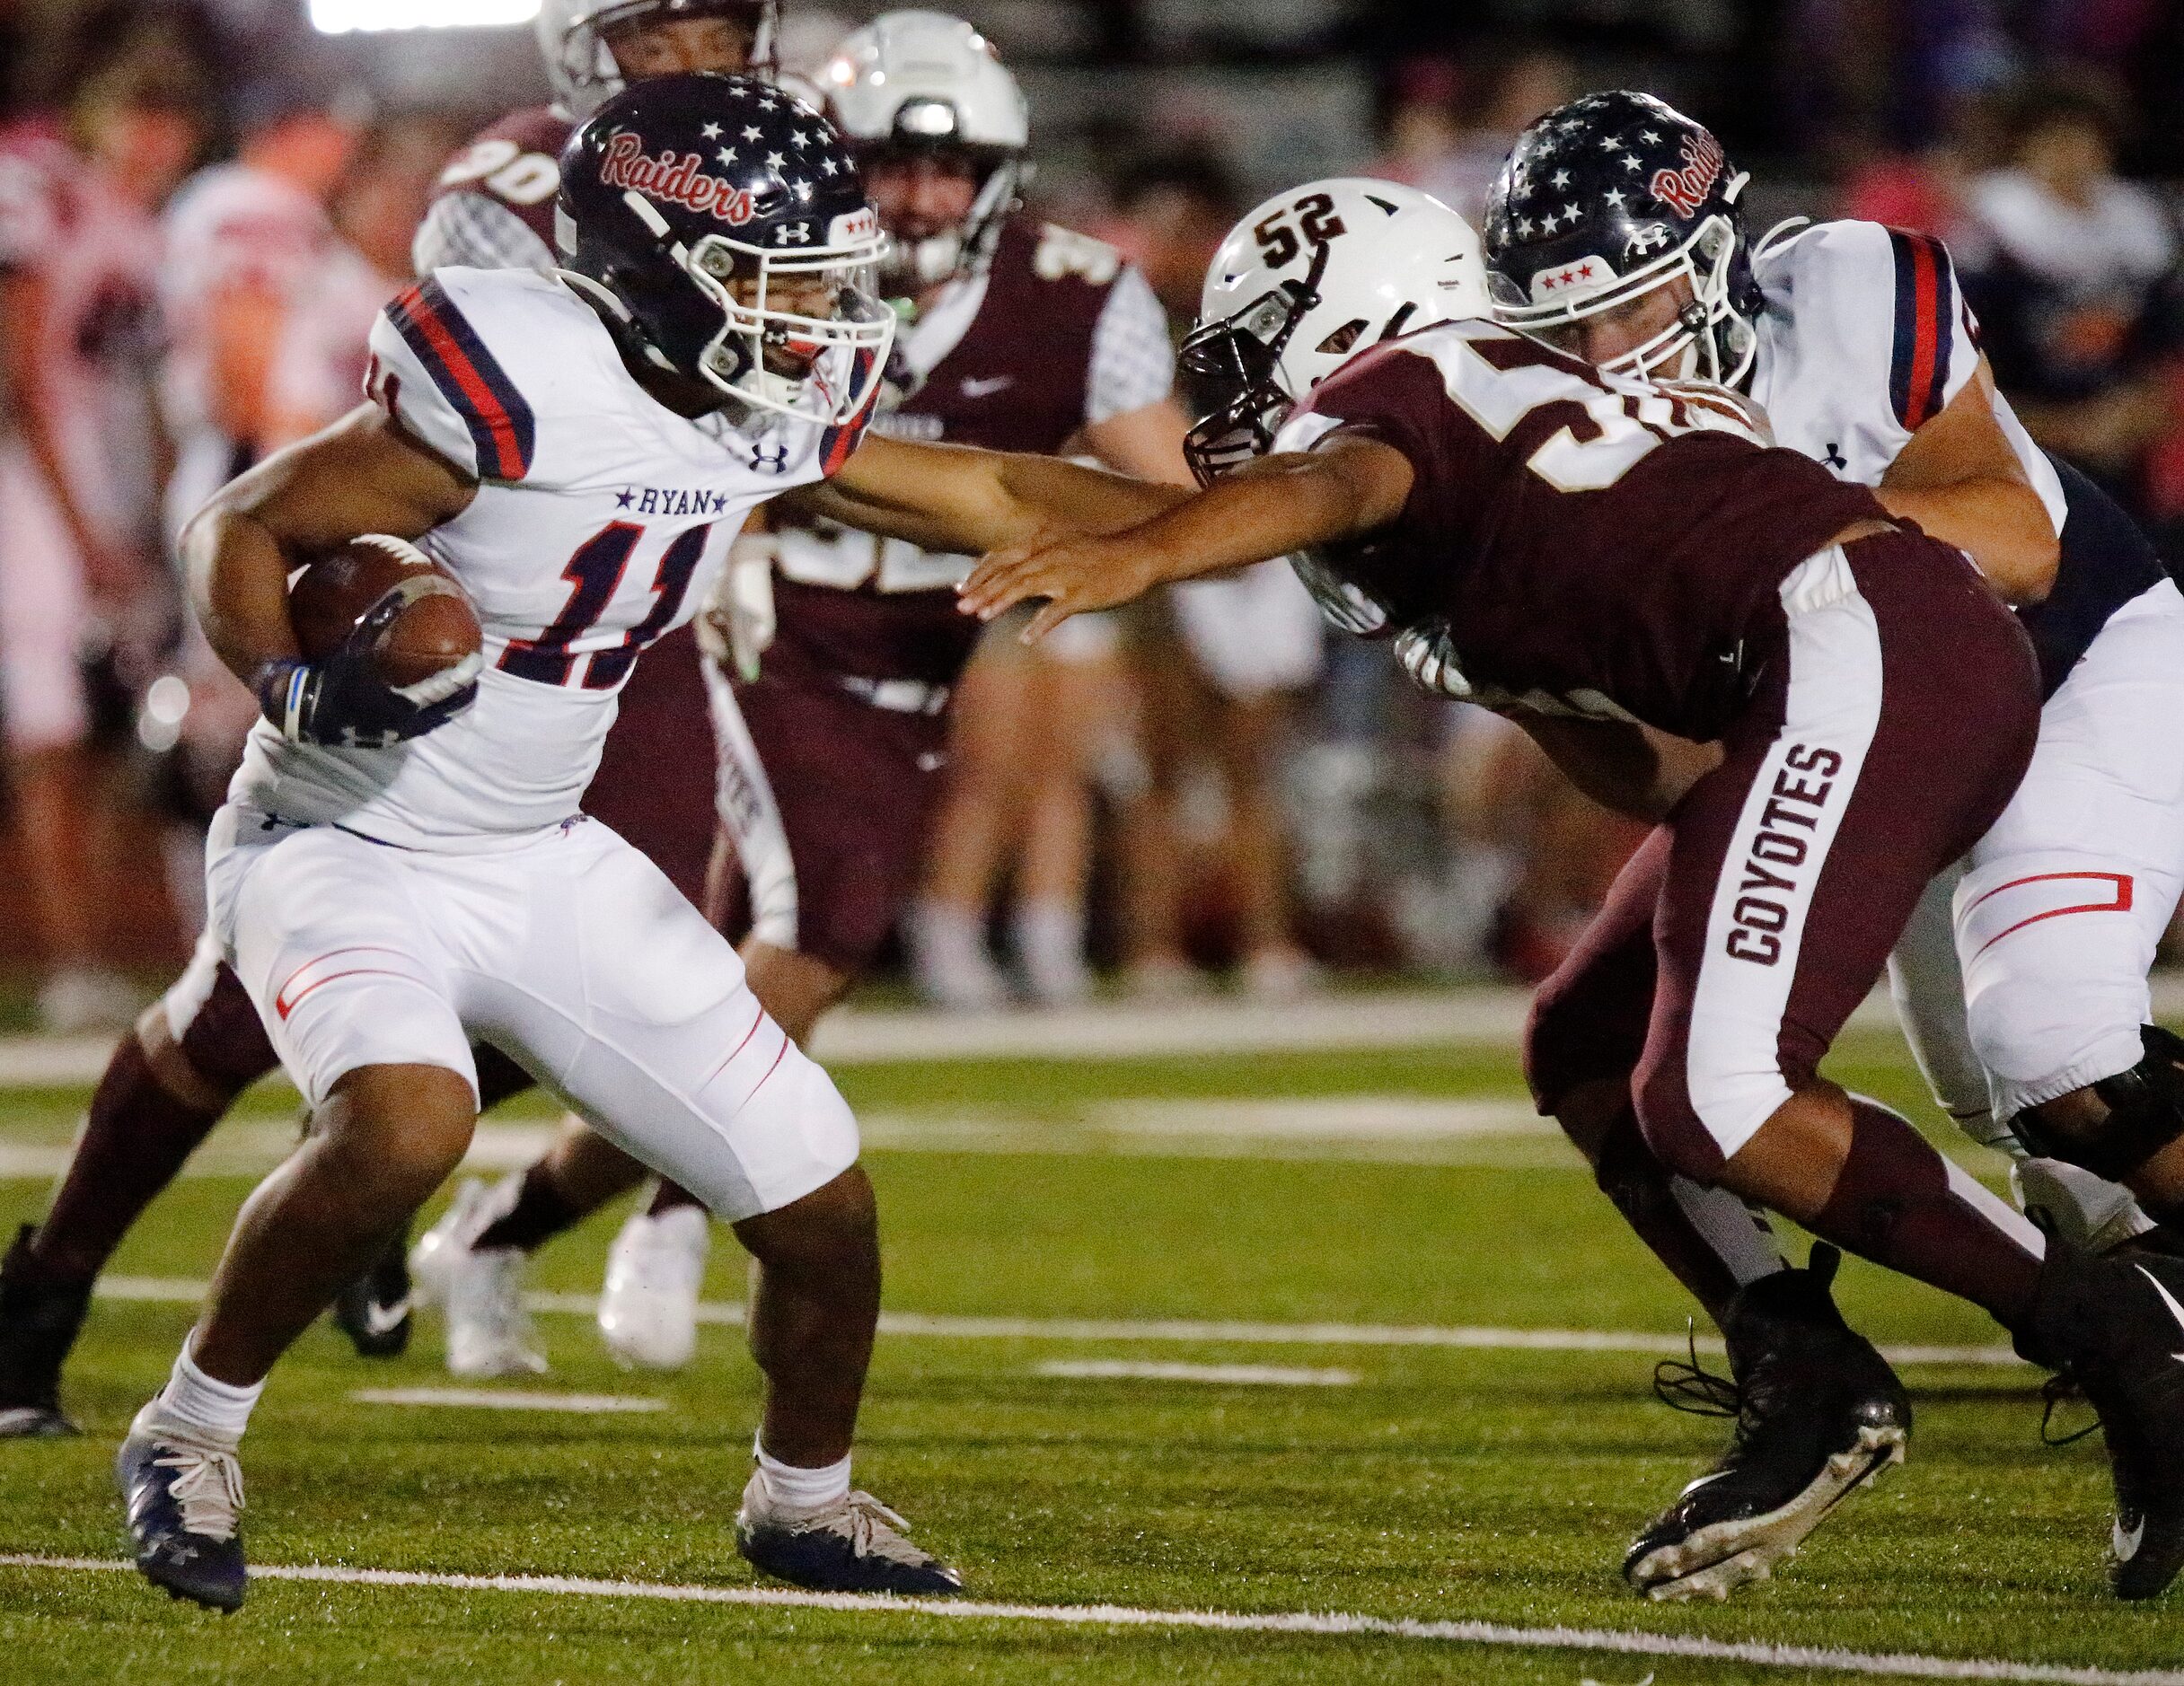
(400, 872)
(1624, 568)
(248, 229)
(79, 272)
(1018, 334)
(1614, 231)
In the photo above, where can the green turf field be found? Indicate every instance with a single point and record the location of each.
(1440, 1483)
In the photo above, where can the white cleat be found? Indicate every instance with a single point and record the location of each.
(481, 1292)
(649, 1310)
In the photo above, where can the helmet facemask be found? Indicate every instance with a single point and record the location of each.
(841, 356)
(927, 128)
(582, 66)
(1234, 367)
(1712, 337)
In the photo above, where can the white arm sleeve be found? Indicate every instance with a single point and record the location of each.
(472, 231)
(1133, 362)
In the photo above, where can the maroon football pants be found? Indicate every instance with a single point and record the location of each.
(1894, 712)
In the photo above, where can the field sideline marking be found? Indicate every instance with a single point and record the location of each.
(1219, 1374)
(489, 1399)
(182, 1291)
(1620, 1642)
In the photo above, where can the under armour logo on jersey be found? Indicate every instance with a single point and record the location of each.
(1835, 458)
(773, 461)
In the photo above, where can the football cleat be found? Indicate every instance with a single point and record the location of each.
(38, 1326)
(480, 1292)
(183, 1499)
(374, 1310)
(854, 1545)
(1817, 1412)
(2114, 1326)
(648, 1309)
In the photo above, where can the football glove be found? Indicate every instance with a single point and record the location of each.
(341, 703)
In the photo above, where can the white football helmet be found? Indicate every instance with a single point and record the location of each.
(572, 39)
(1303, 284)
(923, 79)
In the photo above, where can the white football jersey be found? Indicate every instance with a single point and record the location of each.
(1865, 339)
(600, 519)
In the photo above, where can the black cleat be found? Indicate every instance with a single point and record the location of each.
(373, 1311)
(1818, 1411)
(854, 1545)
(182, 1500)
(2114, 1326)
(39, 1321)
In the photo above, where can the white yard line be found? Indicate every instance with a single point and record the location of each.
(182, 1291)
(1609, 1641)
(487, 1399)
(1482, 1016)
(1217, 1375)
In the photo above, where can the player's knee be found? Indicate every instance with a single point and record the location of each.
(2116, 1125)
(1669, 1123)
(833, 1226)
(398, 1130)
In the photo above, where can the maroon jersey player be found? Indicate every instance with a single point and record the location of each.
(1610, 562)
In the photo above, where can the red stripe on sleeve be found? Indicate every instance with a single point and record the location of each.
(1926, 337)
(495, 415)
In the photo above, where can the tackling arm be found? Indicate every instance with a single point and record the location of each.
(1630, 768)
(1290, 502)
(1960, 481)
(959, 498)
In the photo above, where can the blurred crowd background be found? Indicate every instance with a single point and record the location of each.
(1130, 806)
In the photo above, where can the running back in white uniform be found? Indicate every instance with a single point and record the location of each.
(391, 905)
(2022, 977)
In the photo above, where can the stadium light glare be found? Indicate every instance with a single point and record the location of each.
(343, 17)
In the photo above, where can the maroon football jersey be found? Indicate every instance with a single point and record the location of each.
(1591, 541)
(1016, 380)
(517, 162)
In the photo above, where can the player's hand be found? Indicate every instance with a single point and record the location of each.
(737, 626)
(342, 703)
(1075, 576)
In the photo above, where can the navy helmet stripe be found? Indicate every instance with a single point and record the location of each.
(501, 424)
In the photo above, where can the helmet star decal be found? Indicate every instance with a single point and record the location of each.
(1612, 196)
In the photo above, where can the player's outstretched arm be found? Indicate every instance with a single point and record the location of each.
(359, 474)
(1281, 503)
(962, 499)
(1628, 768)
(1960, 478)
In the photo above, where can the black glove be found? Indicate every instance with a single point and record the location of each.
(341, 703)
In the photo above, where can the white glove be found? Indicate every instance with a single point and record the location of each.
(738, 624)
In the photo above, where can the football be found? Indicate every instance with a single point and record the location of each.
(433, 627)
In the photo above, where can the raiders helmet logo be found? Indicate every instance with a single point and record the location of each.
(678, 177)
(1685, 190)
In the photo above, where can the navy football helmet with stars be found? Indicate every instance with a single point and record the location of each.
(720, 224)
(1609, 197)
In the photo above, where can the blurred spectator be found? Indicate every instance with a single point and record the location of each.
(1429, 149)
(79, 459)
(317, 370)
(244, 239)
(2076, 290)
(247, 243)
(1222, 665)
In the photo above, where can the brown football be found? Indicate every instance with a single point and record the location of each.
(435, 628)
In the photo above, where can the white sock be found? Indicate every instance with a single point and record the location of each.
(194, 1404)
(793, 1488)
(1050, 940)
